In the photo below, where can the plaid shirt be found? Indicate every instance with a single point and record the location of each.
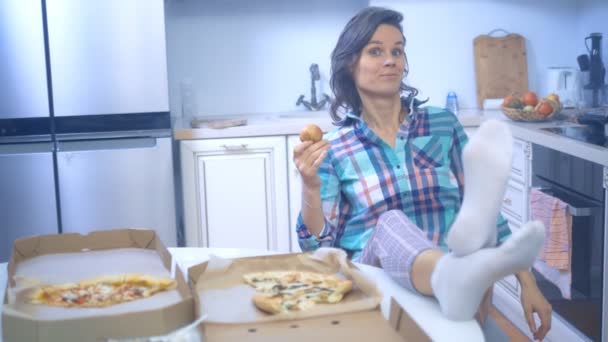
(363, 177)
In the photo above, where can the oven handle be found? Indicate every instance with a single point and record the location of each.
(572, 210)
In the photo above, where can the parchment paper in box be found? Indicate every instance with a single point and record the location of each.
(58, 259)
(224, 297)
(231, 316)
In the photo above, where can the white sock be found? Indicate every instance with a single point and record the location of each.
(486, 161)
(459, 283)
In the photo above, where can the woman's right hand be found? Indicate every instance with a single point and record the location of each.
(307, 157)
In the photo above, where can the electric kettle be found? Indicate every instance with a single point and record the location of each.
(566, 83)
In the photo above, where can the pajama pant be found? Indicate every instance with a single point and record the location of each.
(394, 245)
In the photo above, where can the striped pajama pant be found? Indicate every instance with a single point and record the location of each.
(394, 245)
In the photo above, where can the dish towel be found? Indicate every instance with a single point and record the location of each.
(554, 259)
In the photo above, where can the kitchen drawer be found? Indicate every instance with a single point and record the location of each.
(520, 165)
(514, 203)
(511, 284)
(514, 223)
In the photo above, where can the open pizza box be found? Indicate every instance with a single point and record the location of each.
(224, 300)
(66, 258)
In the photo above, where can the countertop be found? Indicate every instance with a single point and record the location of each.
(424, 310)
(290, 123)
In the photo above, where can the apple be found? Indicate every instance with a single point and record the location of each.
(530, 98)
(312, 133)
(507, 100)
(544, 108)
(553, 97)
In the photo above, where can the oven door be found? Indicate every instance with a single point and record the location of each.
(578, 184)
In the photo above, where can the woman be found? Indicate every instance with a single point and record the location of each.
(387, 186)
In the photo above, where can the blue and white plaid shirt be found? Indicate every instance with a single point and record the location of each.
(363, 177)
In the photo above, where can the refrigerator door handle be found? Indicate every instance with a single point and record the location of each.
(106, 144)
(41, 147)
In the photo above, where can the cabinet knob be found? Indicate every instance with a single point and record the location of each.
(235, 147)
(507, 201)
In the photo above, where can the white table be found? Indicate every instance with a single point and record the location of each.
(424, 310)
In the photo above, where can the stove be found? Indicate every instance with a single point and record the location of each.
(594, 130)
(591, 134)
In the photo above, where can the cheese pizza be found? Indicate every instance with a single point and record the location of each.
(101, 291)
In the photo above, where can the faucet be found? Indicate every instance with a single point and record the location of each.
(313, 104)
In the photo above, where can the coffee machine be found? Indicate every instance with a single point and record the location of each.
(597, 71)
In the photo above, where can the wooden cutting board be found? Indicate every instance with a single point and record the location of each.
(217, 124)
(501, 67)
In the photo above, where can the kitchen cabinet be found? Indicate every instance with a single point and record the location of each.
(235, 193)
(295, 192)
(515, 208)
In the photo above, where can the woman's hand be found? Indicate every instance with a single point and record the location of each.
(307, 157)
(533, 301)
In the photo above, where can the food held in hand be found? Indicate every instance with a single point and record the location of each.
(101, 291)
(530, 99)
(285, 291)
(312, 133)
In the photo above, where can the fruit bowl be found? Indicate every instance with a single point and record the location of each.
(538, 113)
(529, 116)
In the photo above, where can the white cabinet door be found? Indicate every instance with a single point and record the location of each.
(520, 168)
(295, 192)
(235, 193)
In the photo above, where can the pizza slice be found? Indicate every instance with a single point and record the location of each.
(101, 291)
(284, 291)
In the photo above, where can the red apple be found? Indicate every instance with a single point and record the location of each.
(530, 99)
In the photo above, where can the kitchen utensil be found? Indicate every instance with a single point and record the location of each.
(501, 67)
(597, 71)
(583, 62)
(566, 83)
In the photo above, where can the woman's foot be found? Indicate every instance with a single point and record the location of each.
(459, 283)
(487, 163)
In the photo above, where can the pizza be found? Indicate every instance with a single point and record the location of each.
(101, 291)
(284, 291)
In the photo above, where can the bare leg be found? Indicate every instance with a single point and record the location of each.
(458, 283)
(423, 267)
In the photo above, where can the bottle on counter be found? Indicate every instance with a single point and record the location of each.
(451, 103)
(188, 98)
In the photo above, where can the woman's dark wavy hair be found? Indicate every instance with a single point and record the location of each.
(355, 36)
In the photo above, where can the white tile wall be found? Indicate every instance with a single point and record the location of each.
(253, 56)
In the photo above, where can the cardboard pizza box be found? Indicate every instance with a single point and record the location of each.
(56, 259)
(224, 300)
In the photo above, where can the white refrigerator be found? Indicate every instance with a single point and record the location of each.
(85, 130)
